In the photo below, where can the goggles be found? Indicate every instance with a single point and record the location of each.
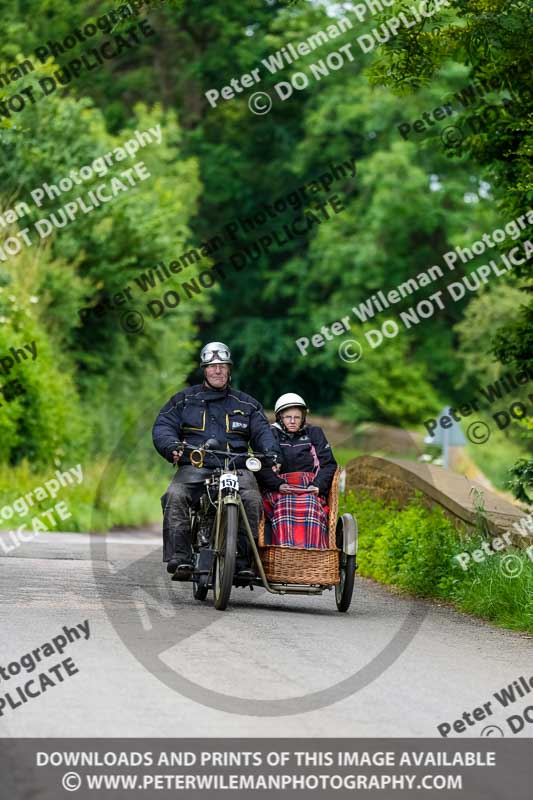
(217, 355)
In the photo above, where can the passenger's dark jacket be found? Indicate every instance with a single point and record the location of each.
(297, 456)
(199, 413)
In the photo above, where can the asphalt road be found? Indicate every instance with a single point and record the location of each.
(159, 663)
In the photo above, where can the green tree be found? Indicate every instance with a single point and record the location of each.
(86, 262)
(485, 313)
(492, 39)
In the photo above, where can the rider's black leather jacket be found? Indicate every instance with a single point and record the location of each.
(200, 412)
(297, 456)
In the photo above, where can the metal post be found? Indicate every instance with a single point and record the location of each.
(445, 446)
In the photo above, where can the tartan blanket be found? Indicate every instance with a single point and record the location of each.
(297, 520)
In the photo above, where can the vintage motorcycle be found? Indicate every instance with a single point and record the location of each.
(214, 523)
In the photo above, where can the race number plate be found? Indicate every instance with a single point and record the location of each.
(229, 481)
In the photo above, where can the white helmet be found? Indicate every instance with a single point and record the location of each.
(290, 400)
(215, 353)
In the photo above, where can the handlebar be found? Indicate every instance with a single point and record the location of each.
(224, 453)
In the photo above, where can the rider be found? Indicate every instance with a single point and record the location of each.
(212, 410)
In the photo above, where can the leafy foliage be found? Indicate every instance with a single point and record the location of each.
(410, 201)
(492, 38)
(414, 549)
(90, 374)
(522, 480)
(390, 387)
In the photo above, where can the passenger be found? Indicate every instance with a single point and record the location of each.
(295, 499)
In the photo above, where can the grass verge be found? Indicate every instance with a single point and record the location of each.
(414, 549)
(101, 501)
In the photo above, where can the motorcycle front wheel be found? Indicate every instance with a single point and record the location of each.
(226, 555)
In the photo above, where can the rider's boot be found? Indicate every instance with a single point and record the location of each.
(181, 563)
(243, 567)
(245, 572)
(181, 567)
(184, 570)
(172, 565)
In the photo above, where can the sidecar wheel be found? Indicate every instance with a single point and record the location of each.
(344, 589)
(346, 539)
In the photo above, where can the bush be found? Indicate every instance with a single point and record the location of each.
(414, 548)
(92, 380)
(387, 386)
(132, 499)
(44, 422)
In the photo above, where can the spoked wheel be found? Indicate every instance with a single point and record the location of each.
(225, 559)
(344, 589)
(347, 563)
(200, 587)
